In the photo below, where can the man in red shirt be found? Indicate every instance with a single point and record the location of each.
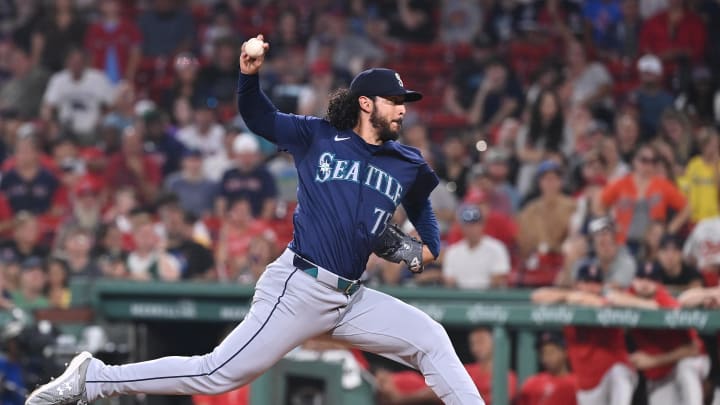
(131, 167)
(114, 43)
(673, 35)
(673, 361)
(408, 387)
(598, 356)
(556, 385)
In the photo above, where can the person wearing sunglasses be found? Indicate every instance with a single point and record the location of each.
(641, 197)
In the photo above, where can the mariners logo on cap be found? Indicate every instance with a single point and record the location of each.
(397, 76)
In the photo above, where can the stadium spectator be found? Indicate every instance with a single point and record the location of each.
(498, 97)
(28, 186)
(460, 22)
(58, 292)
(23, 91)
(591, 178)
(56, 36)
(167, 28)
(598, 356)
(76, 96)
(677, 35)
(219, 78)
(541, 138)
(587, 83)
(412, 21)
(482, 186)
(150, 259)
(249, 179)
(186, 85)
(205, 133)
(132, 167)
(627, 132)
(497, 224)
(124, 202)
(109, 252)
(33, 280)
(676, 130)
(75, 252)
(555, 385)
(159, 143)
(651, 98)
(237, 232)
(702, 248)
(497, 162)
(600, 18)
(196, 193)
(409, 387)
(544, 223)
(220, 25)
(478, 261)
(196, 261)
(25, 242)
(121, 114)
(701, 180)
(611, 260)
(114, 43)
(610, 155)
(673, 362)
(314, 98)
(641, 197)
(624, 33)
(700, 97)
(352, 50)
(86, 204)
(648, 252)
(454, 167)
(216, 165)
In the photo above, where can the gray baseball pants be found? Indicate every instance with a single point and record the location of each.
(288, 308)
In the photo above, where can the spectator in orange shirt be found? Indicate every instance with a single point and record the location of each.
(555, 385)
(642, 197)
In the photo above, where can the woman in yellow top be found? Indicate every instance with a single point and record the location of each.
(701, 181)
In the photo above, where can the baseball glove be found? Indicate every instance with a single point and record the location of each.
(395, 246)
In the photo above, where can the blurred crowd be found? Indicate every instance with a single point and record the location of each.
(123, 156)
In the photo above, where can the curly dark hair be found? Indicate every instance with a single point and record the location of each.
(343, 110)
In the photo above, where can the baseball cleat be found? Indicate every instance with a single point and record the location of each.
(69, 388)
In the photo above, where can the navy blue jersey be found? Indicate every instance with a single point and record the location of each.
(348, 189)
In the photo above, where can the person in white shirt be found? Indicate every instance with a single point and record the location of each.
(76, 97)
(702, 247)
(477, 261)
(204, 134)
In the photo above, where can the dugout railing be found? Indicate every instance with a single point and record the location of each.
(507, 312)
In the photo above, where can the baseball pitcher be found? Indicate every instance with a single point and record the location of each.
(352, 176)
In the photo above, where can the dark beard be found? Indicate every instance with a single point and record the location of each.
(385, 132)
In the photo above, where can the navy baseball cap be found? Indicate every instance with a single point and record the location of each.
(649, 270)
(551, 337)
(670, 241)
(589, 272)
(381, 82)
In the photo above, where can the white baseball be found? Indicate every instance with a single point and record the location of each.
(254, 48)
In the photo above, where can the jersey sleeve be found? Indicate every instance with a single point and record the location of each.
(291, 133)
(419, 210)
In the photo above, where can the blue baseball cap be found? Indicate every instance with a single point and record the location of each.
(548, 166)
(469, 213)
(381, 82)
